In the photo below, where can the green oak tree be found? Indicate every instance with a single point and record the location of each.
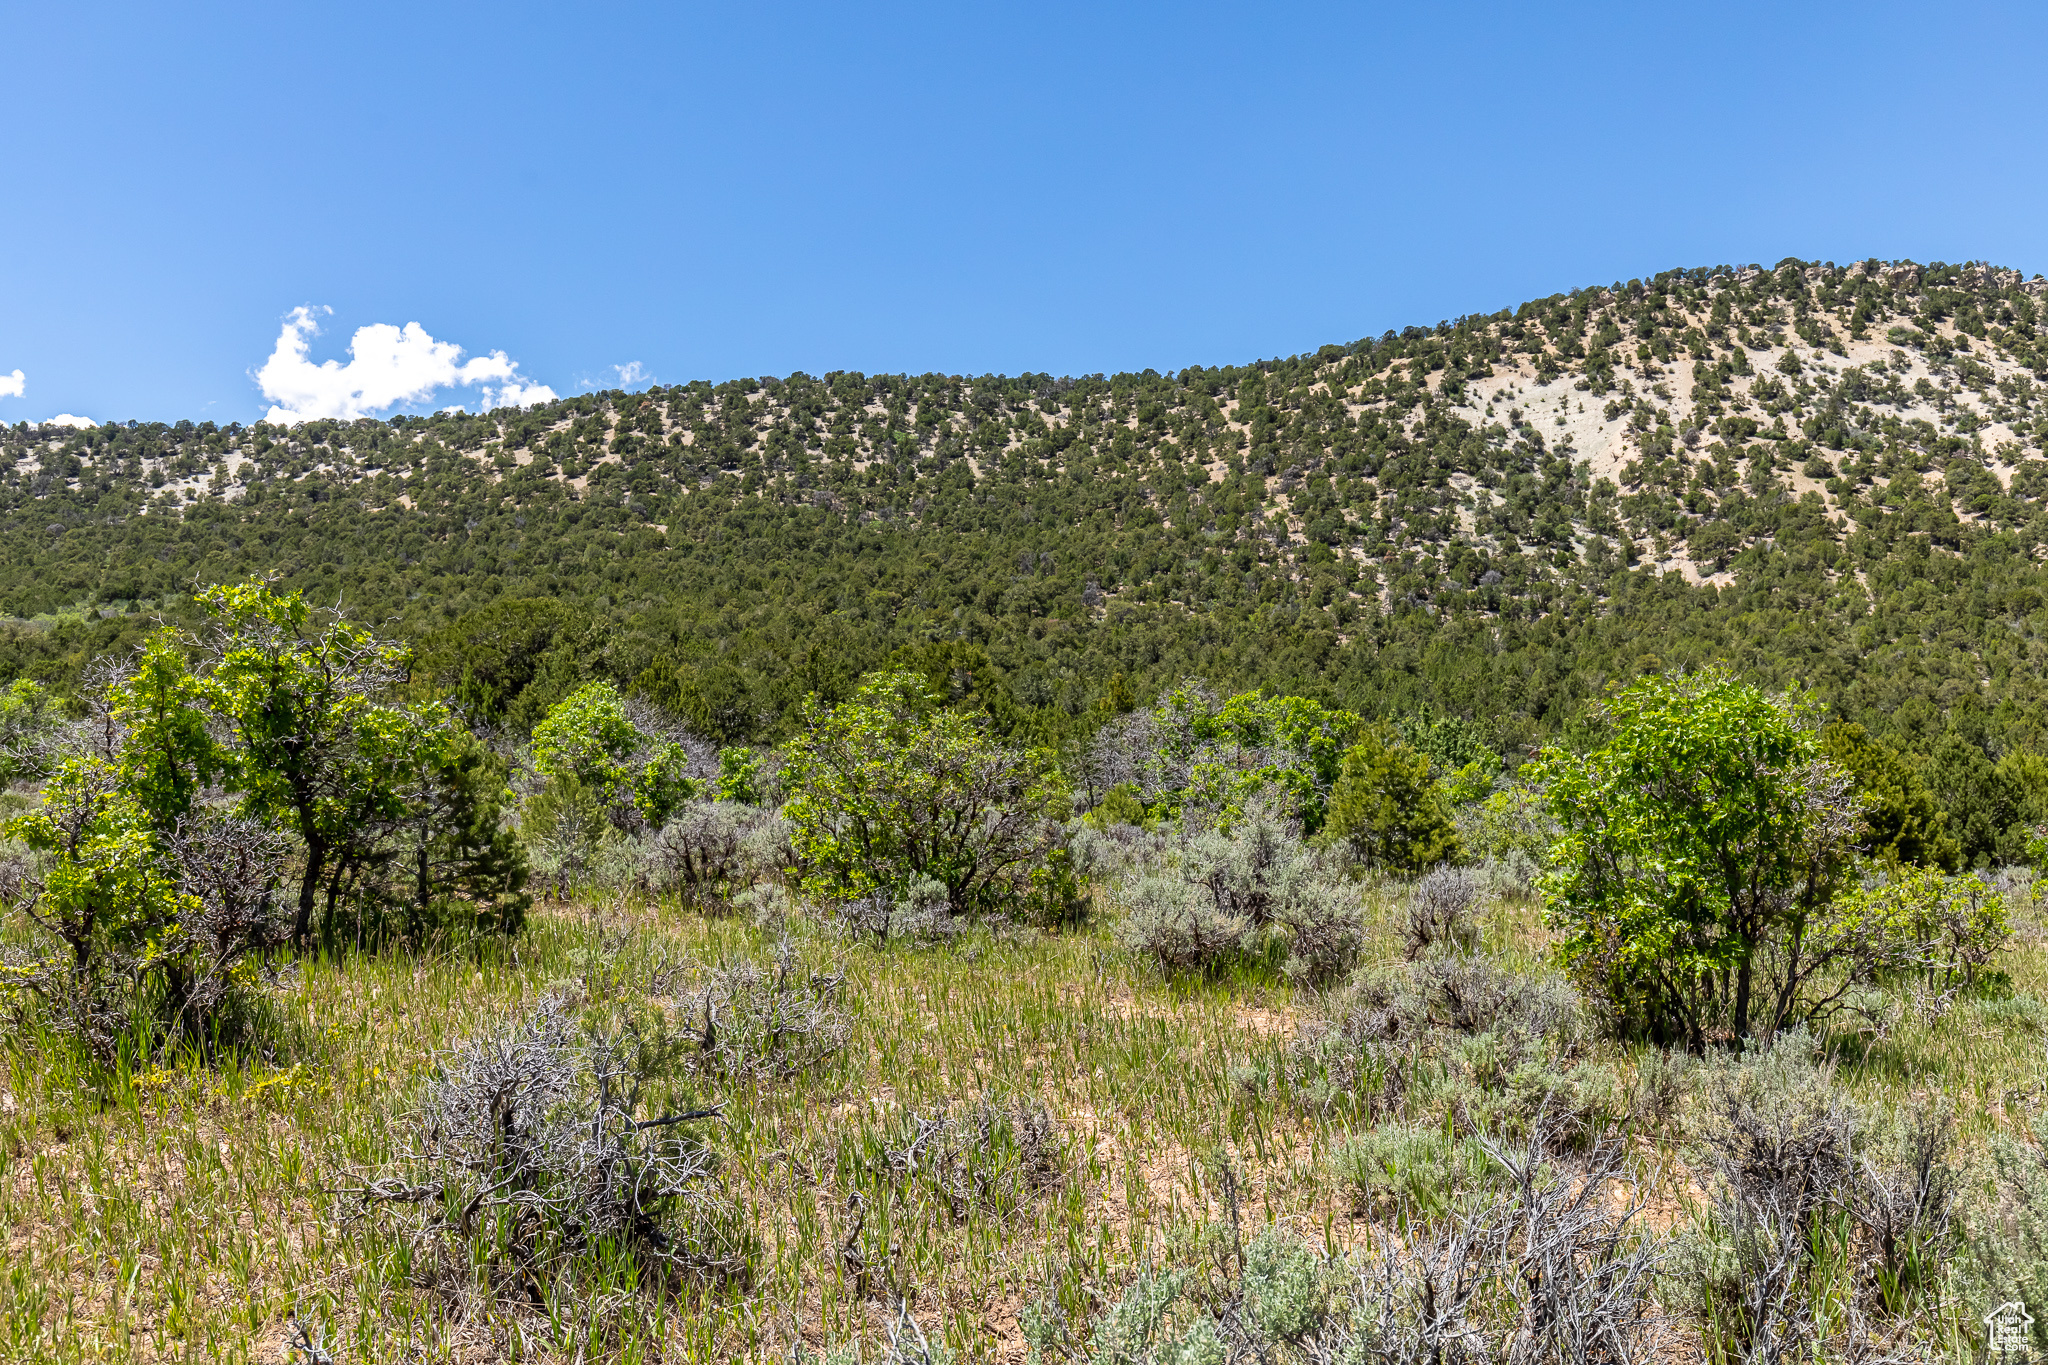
(891, 789)
(318, 736)
(589, 739)
(1701, 846)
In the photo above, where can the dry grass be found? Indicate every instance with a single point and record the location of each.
(188, 1214)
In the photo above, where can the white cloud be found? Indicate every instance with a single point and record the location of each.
(387, 366)
(11, 385)
(521, 395)
(631, 373)
(65, 419)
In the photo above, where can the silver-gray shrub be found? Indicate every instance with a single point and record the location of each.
(709, 851)
(1451, 1033)
(2009, 1230)
(755, 1024)
(765, 849)
(1177, 924)
(536, 1144)
(1908, 1197)
(989, 1154)
(1803, 1189)
(923, 914)
(1440, 907)
(1776, 1133)
(1553, 1264)
(1194, 901)
(1110, 853)
(1471, 993)
(1462, 993)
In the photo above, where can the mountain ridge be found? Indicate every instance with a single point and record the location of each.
(1401, 520)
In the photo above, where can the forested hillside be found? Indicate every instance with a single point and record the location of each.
(1815, 473)
(945, 870)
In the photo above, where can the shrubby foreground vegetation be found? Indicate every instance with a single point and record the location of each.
(347, 1021)
(1505, 841)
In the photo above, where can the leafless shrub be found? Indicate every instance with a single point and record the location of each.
(990, 1155)
(231, 866)
(1131, 751)
(625, 961)
(1440, 913)
(907, 1345)
(1583, 1273)
(532, 1150)
(697, 853)
(1361, 1051)
(710, 850)
(924, 914)
(1159, 752)
(1416, 1298)
(907, 1342)
(755, 1025)
(660, 726)
(1775, 1140)
(867, 916)
(1821, 1238)
(1379, 1004)
(1763, 1311)
(1554, 1266)
(308, 1346)
(103, 732)
(1905, 1203)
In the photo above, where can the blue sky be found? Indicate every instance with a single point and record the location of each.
(718, 191)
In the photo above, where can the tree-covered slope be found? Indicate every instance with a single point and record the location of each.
(1815, 473)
